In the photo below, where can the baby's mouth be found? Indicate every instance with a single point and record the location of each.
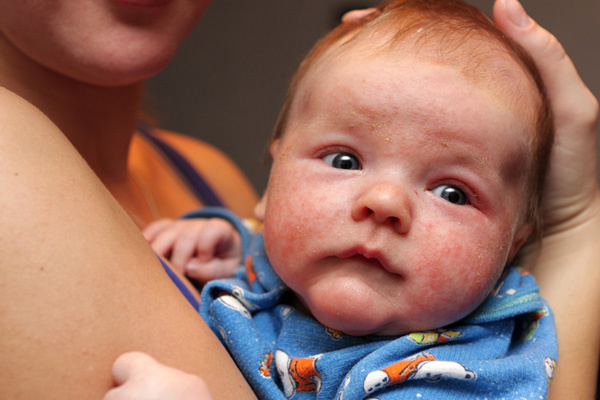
(370, 257)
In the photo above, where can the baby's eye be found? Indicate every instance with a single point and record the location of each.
(342, 161)
(451, 193)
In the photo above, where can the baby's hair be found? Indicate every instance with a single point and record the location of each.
(457, 34)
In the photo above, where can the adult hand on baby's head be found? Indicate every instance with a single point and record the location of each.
(202, 249)
(137, 376)
(571, 193)
(566, 265)
(355, 15)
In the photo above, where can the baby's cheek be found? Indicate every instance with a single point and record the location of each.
(460, 273)
(289, 225)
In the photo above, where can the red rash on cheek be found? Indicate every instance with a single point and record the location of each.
(286, 218)
(457, 272)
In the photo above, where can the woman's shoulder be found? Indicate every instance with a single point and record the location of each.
(80, 285)
(15, 109)
(7, 95)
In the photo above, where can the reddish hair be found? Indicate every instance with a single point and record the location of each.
(458, 34)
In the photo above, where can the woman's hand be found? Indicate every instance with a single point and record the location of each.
(571, 188)
(567, 265)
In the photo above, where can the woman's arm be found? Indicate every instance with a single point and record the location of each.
(79, 284)
(567, 266)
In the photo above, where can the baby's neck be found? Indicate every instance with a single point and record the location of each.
(291, 299)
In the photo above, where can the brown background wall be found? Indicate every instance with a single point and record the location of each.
(228, 81)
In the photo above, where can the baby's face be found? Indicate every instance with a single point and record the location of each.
(396, 194)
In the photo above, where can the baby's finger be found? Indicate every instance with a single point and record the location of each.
(154, 228)
(218, 239)
(185, 246)
(163, 242)
(216, 268)
(129, 365)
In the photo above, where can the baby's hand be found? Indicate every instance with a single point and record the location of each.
(202, 249)
(137, 376)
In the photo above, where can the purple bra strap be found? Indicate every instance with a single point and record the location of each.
(181, 286)
(196, 183)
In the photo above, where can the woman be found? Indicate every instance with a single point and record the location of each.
(83, 64)
(80, 285)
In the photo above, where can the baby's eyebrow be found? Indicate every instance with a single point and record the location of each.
(464, 152)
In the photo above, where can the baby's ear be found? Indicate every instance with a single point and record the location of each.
(261, 207)
(273, 147)
(520, 238)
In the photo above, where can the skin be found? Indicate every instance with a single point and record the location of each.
(77, 295)
(571, 214)
(51, 357)
(202, 249)
(100, 42)
(82, 64)
(571, 208)
(139, 376)
(570, 232)
(376, 250)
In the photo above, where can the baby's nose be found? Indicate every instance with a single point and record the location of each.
(387, 204)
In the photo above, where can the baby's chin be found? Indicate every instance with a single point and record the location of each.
(348, 326)
(371, 324)
(354, 317)
(355, 325)
(355, 329)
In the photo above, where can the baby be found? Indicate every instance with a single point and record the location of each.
(408, 164)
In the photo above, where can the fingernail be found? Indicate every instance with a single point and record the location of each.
(516, 13)
(192, 266)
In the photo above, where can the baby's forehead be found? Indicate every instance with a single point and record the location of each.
(478, 55)
(349, 91)
(479, 58)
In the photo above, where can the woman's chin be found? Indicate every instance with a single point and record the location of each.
(121, 74)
